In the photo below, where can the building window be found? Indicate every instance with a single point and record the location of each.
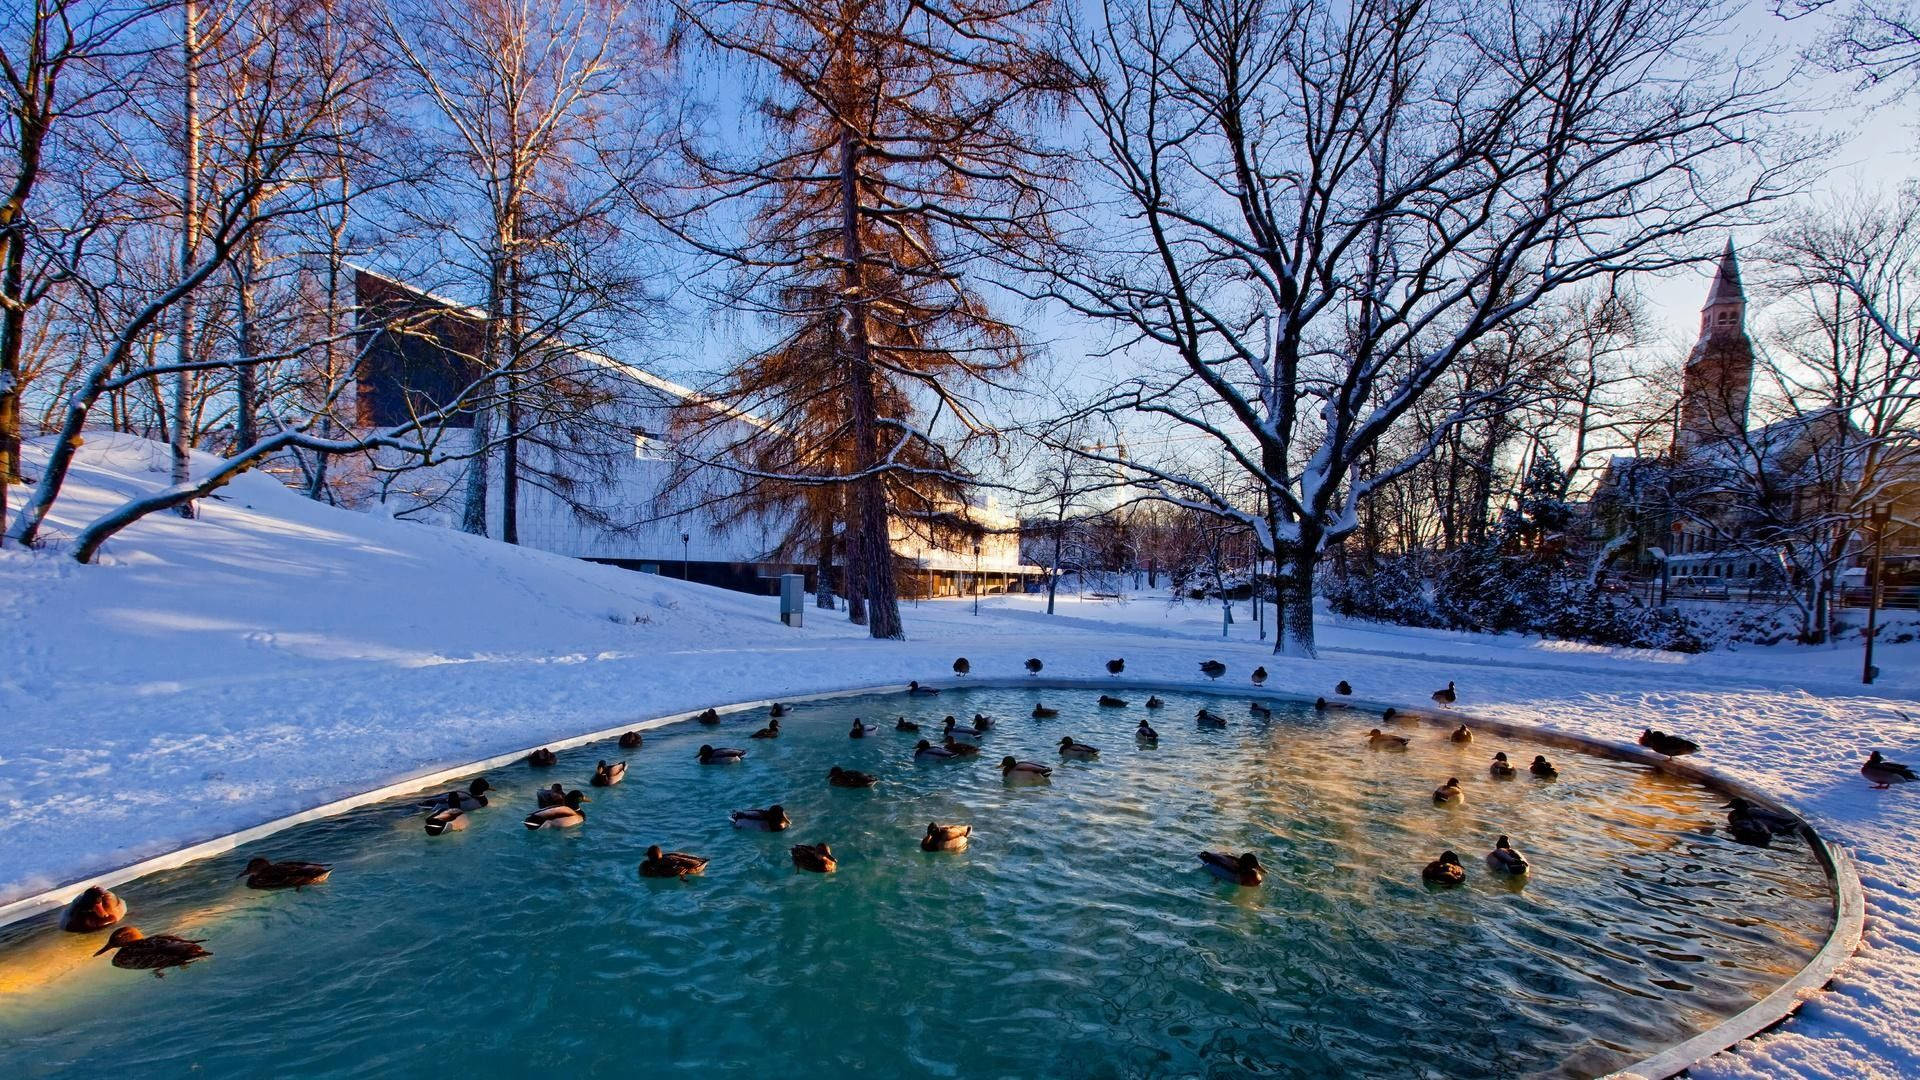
(1725, 317)
(647, 445)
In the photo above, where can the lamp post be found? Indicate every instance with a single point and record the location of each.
(976, 577)
(686, 545)
(1879, 517)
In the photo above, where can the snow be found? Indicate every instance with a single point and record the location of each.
(276, 654)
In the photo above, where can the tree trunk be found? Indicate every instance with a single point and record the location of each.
(872, 539)
(823, 563)
(180, 439)
(13, 320)
(246, 381)
(1053, 579)
(1293, 600)
(510, 443)
(473, 513)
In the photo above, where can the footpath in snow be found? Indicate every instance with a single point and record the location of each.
(276, 654)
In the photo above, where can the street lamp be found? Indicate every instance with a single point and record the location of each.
(976, 577)
(686, 544)
(1879, 517)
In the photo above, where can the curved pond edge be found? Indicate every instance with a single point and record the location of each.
(1849, 900)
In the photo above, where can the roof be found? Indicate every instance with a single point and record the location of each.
(1726, 281)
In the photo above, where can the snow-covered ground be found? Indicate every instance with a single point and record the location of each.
(277, 654)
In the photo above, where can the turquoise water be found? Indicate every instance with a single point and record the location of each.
(1076, 937)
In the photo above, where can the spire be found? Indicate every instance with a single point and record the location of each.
(1726, 284)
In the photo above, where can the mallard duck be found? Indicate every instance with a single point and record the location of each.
(1672, 746)
(1108, 701)
(904, 724)
(94, 909)
(1502, 769)
(1259, 676)
(1041, 712)
(542, 758)
(1256, 709)
(959, 748)
(720, 755)
(1461, 734)
(1378, 740)
(1115, 667)
(772, 819)
(840, 777)
(710, 717)
(1208, 718)
(671, 864)
(915, 688)
(1243, 869)
(1071, 749)
(771, 731)
(267, 874)
(1748, 831)
(861, 731)
(630, 741)
(1145, 733)
(1034, 665)
(445, 820)
(951, 728)
(779, 710)
(815, 857)
(1884, 774)
(1449, 793)
(1444, 696)
(550, 796)
(473, 798)
(563, 816)
(929, 752)
(1212, 669)
(961, 667)
(1155, 703)
(1024, 772)
(982, 722)
(1776, 823)
(1343, 688)
(157, 953)
(607, 775)
(1389, 713)
(945, 837)
(1445, 870)
(1543, 768)
(1504, 860)
(1320, 703)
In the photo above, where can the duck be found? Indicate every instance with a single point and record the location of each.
(1672, 746)
(1243, 869)
(839, 777)
(945, 837)
(904, 724)
(1155, 703)
(861, 731)
(630, 741)
(1883, 774)
(914, 687)
(982, 722)
(925, 750)
(1041, 712)
(773, 819)
(1320, 703)
(1078, 750)
(1461, 734)
(139, 952)
(1108, 701)
(1449, 793)
(1748, 831)
(1145, 733)
(771, 731)
(779, 710)
(549, 796)
(1343, 688)
(951, 727)
(961, 667)
(1445, 870)
(563, 816)
(1212, 669)
(1034, 665)
(720, 755)
(1378, 740)
(817, 858)
(445, 820)
(1776, 823)
(542, 758)
(1256, 709)
(1389, 713)
(1208, 718)
(1543, 768)
(605, 775)
(473, 798)
(1259, 676)
(1502, 769)
(960, 749)
(94, 909)
(267, 874)
(1115, 667)
(1444, 695)
(1504, 860)
(710, 717)
(671, 864)
(1024, 772)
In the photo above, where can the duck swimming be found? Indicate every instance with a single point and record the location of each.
(1748, 831)
(473, 798)
(267, 874)
(1504, 860)
(157, 953)
(720, 755)
(1034, 665)
(1445, 870)
(915, 688)
(1502, 769)
(840, 777)
(817, 858)
(1389, 713)
(1461, 734)
(1376, 740)
(927, 751)
(1342, 688)
(605, 775)
(445, 820)
(564, 816)
(1145, 733)
(671, 864)
(1445, 695)
(861, 731)
(945, 837)
(1108, 701)
(1243, 869)
(904, 724)
(1155, 703)
(1208, 718)
(1212, 669)
(771, 731)
(549, 796)
(952, 728)
(1259, 710)
(542, 758)
(1041, 712)
(1543, 768)
(1077, 750)
(1023, 772)
(1776, 823)
(779, 710)
(982, 722)
(1449, 793)
(94, 909)
(1883, 774)
(1115, 667)
(772, 819)
(630, 741)
(710, 717)
(960, 749)
(961, 667)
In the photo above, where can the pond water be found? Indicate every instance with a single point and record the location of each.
(1078, 935)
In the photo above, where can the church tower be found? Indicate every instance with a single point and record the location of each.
(1719, 379)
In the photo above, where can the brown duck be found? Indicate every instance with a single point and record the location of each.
(266, 874)
(142, 953)
(95, 909)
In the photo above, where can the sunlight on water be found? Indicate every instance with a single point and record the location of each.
(1077, 935)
